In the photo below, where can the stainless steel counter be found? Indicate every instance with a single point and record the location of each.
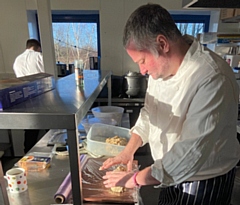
(62, 108)
(122, 100)
(42, 185)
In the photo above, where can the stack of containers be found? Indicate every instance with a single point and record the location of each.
(88, 122)
(99, 132)
(109, 112)
(96, 139)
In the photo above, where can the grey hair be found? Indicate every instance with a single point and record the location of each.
(145, 24)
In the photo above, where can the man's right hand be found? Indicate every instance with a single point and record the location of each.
(126, 156)
(122, 158)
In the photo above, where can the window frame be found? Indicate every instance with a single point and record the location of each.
(186, 18)
(80, 18)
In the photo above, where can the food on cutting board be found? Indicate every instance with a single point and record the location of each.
(116, 140)
(119, 189)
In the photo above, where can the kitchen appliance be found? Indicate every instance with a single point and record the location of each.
(94, 63)
(132, 104)
(135, 84)
(61, 69)
(64, 69)
(70, 69)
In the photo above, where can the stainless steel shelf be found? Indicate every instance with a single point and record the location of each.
(234, 19)
(61, 108)
(122, 100)
(228, 44)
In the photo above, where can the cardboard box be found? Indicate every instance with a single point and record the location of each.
(237, 12)
(17, 90)
(227, 13)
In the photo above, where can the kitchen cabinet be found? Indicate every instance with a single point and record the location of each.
(61, 108)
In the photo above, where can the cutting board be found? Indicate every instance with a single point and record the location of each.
(93, 189)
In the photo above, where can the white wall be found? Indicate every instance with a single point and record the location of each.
(32, 24)
(14, 31)
(14, 17)
(113, 15)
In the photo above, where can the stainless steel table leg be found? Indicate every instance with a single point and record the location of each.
(3, 186)
(74, 158)
(11, 142)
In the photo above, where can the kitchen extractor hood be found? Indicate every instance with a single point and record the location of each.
(211, 4)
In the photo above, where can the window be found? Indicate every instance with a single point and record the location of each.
(76, 37)
(192, 24)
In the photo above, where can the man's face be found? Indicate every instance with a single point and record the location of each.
(156, 66)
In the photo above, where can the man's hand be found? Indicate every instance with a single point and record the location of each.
(119, 178)
(122, 158)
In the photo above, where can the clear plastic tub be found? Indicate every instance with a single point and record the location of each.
(88, 122)
(112, 112)
(97, 135)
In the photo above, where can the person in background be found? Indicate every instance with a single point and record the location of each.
(189, 117)
(28, 63)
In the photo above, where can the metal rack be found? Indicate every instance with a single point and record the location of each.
(61, 108)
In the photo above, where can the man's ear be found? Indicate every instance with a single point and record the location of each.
(163, 44)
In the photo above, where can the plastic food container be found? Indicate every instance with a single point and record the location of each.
(97, 135)
(88, 122)
(112, 112)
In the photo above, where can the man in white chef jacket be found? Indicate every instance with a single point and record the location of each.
(189, 115)
(28, 63)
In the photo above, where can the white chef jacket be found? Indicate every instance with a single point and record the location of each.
(189, 120)
(28, 63)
